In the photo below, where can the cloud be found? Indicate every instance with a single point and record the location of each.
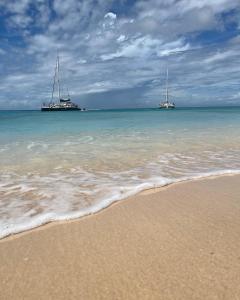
(16, 6)
(110, 15)
(20, 13)
(109, 20)
(121, 38)
(171, 18)
(146, 46)
(221, 56)
(110, 48)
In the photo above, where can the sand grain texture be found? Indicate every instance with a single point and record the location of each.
(181, 242)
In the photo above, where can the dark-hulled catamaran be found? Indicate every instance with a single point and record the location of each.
(62, 103)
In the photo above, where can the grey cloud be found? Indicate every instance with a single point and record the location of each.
(115, 60)
(173, 18)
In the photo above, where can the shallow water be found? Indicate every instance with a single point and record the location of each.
(62, 165)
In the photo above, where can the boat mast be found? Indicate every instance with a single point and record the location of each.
(54, 81)
(58, 69)
(166, 95)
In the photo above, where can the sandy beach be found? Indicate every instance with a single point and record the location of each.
(177, 242)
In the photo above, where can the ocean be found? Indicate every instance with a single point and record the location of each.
(64, 165)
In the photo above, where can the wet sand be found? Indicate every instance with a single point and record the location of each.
(178, 242)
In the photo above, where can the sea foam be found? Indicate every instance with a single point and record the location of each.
(58, 208)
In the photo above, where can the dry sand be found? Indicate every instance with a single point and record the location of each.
(180, 242)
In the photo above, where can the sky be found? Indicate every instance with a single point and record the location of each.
(114, 54)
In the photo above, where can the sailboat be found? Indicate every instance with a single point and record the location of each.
(63, 103)
(166, 104)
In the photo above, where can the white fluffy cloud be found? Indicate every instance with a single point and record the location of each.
(111, 16)
(106, 51)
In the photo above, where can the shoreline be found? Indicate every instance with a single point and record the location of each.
(117, 201)
(176, 242)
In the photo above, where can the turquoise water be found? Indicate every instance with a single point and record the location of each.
(62, 165)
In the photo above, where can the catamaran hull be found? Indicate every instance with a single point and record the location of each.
(169, 107)
(59, 108)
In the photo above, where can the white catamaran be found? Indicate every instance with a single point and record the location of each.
(63, 103)
(166, 104)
